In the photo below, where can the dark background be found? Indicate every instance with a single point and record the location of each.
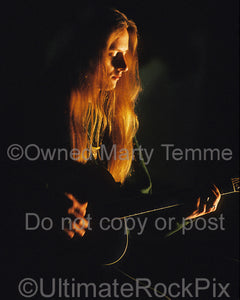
(188, 54)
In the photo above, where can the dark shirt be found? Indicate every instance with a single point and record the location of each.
(38, 190)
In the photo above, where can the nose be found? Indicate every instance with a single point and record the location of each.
(121, 64)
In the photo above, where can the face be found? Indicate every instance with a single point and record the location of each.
(116, 59)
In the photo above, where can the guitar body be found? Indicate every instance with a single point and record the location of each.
(105, 244)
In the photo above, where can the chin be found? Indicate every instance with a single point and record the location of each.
(111, 86)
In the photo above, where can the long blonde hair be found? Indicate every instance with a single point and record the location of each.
(93, 107)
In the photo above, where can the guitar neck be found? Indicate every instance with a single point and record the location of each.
(168, 203)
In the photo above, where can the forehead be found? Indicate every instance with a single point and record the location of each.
(121, 42)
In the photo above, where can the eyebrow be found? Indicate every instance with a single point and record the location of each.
(118, 50)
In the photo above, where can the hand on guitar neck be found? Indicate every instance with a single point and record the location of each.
(204, 205)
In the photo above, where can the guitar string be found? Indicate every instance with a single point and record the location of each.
(223, 194)
(149, 211)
